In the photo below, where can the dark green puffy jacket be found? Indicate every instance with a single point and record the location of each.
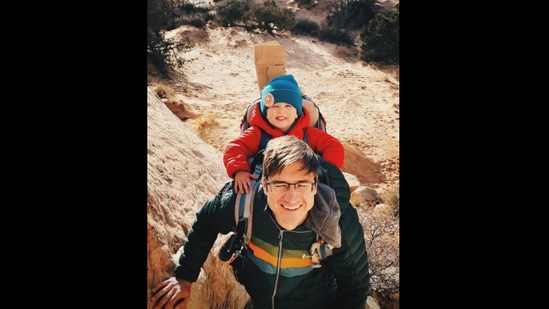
(270, 284)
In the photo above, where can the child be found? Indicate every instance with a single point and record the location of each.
(279, 113)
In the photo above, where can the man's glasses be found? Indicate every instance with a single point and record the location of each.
(282, 187)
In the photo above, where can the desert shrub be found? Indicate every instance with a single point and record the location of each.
(163, 52)
(198, 21)
(304, 3)
(305, 26)
(159, 14)
(344, 18)
(269, 17)
(189, 7)
(382, 232)
(194, 15)
(380, 39)
(231, 12)
(335, 35)
(350, 14)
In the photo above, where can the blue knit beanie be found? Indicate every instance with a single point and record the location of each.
(282, 88)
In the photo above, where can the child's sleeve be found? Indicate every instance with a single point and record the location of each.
(237, 151)
(327, 146)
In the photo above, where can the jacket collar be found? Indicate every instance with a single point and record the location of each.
(323, 218)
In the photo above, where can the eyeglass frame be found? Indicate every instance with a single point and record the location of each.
(288, 185)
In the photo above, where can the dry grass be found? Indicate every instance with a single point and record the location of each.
(391, 198)
(163, 91)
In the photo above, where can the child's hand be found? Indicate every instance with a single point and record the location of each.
(242, 183)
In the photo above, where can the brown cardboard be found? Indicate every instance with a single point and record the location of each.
(269, 62)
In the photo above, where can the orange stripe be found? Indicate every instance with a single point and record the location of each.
(296, 262)
(286, 262)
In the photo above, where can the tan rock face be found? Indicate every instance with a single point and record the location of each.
(183, 172)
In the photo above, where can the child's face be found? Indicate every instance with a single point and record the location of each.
(282, 115)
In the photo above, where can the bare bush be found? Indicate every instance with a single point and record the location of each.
(381, 231)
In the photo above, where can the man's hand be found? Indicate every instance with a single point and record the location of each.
(171, 294)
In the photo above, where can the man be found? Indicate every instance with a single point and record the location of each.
(292, 211)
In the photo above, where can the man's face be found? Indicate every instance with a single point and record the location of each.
(290, 205)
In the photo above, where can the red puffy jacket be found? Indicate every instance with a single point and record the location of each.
(246, 145)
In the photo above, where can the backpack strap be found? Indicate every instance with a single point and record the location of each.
(265, 137)
(320, 251)
(316, 118)
(244, 201)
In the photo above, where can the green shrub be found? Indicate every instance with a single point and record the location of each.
(269, 17)
(230, 13)
(158, 14)
(162, 52)
(335, 35)
(305, 26)
(192, 14)
(350, 14)
(380, 39)
(304, 3)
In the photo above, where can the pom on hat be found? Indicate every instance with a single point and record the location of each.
(282, 88)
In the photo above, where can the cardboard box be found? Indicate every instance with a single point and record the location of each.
(269, 62)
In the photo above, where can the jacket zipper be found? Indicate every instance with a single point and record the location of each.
(278, 262)
(279, 257)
